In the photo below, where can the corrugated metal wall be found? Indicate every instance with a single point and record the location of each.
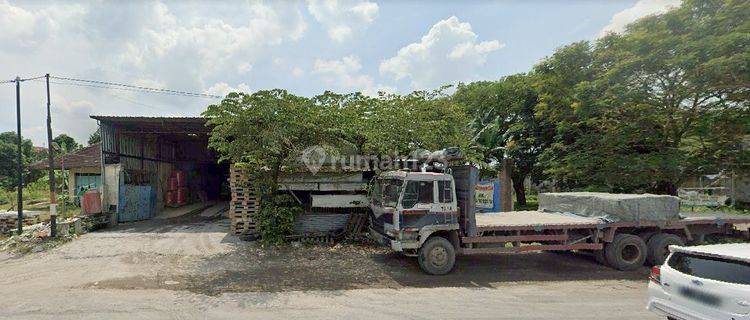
(141, 156)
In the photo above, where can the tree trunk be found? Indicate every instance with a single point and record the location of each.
(666, 187)
(520, 190)
(273, 183)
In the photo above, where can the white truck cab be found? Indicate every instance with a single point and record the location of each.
(408, 207)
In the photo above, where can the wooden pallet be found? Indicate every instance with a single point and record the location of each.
(244, 204)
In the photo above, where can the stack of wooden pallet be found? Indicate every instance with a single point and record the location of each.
(244, 204)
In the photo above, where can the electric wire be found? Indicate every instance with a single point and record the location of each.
(134, 87)
(22, 80)
(130, 89)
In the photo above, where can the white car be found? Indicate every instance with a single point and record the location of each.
(702, 282)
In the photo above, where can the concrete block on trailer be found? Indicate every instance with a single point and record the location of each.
(613, 207)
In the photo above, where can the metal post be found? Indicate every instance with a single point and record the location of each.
(19, 166)
(50, 158)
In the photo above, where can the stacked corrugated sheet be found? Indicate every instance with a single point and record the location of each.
(244, 204)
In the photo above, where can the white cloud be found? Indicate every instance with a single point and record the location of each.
(641, 9)
(222, 89)
(448, 53)
(341, 18)
(210, 44)
(297, 72)
(28, 28)
(244, 67)
(345, 74)
(187, 46)
(15, 22)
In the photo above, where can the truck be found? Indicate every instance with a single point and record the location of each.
(431, 215)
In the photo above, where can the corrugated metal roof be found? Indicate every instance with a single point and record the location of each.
(145, 118)
(158, 125)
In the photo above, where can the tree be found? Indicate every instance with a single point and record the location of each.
(264, 131)
(393, 125)
(66, 143)
(640, 110)
(505, 125)
(9, 160)
(95, 137)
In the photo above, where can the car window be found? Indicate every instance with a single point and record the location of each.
(445, 193)
(711, 268)
(418, 192)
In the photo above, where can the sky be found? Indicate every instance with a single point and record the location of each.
(305, 47)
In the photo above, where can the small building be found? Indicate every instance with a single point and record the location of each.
(83, 168)
(143, 155)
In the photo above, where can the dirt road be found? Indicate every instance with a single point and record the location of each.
(188, 267)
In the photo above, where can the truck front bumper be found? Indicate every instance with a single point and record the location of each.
(390, 242)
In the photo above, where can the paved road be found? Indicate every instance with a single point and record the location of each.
(189, 268)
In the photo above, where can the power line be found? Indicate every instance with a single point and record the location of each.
(113, 85)
(22, 80)
(133, 90)
(34, 78)
(117, 86)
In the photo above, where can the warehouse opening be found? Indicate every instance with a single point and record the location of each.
(155, 164)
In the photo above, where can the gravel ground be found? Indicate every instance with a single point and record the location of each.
(189, 267)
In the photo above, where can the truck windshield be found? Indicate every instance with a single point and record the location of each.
(385, 192)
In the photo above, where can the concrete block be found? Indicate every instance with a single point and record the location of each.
(613, 207)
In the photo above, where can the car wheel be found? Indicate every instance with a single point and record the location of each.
(626, 252)
(437, 256)
(658, 247)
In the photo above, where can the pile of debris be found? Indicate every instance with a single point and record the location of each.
(35, 238)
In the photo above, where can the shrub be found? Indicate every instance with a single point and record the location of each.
(275, 220)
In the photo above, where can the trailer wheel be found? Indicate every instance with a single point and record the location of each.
(658, 247)
(437, 256)
(599, 257)
(626, 252)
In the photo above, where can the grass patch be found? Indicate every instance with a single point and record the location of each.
(712, 210)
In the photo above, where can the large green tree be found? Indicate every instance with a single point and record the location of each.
(9, 160)
(67, 143)
(95, 137)
(265, 131)
(504, 124)
(642, 109)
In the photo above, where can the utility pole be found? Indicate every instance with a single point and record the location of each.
(19, 167)
(50, 158)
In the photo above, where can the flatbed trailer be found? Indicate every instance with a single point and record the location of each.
(431, 216)
(539, 231)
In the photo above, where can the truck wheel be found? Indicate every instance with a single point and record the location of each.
(658, 247)
(437, 256)
(626, 252)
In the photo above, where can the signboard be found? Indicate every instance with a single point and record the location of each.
(487, 196)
